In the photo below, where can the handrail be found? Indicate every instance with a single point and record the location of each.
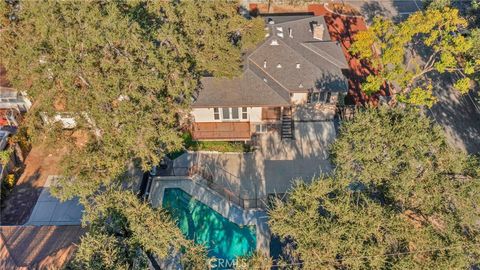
(245, 203)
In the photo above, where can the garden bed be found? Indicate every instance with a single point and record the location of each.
(217, 146)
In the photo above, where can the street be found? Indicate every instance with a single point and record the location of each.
(385, 8)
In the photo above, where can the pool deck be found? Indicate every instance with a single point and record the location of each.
(196, 187)
(273, 167)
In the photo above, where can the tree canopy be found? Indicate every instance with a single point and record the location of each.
(125, 70)
(405, 54)
(400, 198)
(121, 229)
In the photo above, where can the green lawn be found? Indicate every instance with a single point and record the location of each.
(219, 146)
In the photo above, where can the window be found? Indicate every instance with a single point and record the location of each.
(329, 95)
(319, 97)
(226, 113)
(232, 113)
(235, 113)
(261, 128)
(244, 113)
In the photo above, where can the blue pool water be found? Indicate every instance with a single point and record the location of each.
(204, 225)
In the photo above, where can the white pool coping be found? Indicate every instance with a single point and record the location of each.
(217, 202)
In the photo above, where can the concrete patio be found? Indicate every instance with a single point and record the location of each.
(274, 166)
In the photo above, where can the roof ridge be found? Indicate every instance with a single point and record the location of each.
(277, 82)
(308, 18)
(331, 60)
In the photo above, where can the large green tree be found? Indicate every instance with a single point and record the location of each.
(125, 70)
(121, 230)
(406, 54)
(400, 198)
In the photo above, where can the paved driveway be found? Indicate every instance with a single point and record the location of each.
(385, 8)
(457, 114)
(40, 163)
(271, 168)
(50, 211)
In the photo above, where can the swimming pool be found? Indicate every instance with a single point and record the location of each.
(198, 222)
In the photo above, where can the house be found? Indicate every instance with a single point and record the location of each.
(294, 74)
(12, 103)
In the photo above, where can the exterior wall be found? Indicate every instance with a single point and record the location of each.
(255, 114)
(334, 98)
(299, 98)
(202, 115)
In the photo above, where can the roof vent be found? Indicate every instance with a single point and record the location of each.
(318, 32)
(265, 79)
(298, 65)
(274, 42)
(300, 85)
(271, 21)
(264, 63)
(279, 65)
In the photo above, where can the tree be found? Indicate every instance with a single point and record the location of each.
(400, 198)
(125, 70)
(121, 230)
(257, 260)
(213, 19)
(470, 9)
(405, 54)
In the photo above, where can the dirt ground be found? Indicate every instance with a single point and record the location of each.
(39, 164)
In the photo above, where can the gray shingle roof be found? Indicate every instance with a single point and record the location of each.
(289, 60)
(293, 71)
(331, 51)
(246, 90)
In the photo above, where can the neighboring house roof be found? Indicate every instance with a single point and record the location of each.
(37, 247)
(297, 56)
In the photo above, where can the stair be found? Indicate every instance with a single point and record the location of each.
(287, 124)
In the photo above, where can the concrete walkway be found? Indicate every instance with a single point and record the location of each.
(199, 190)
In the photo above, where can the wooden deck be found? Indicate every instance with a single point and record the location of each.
(221, 131)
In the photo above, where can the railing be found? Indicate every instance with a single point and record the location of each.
(347, 112)
(209, 177)
(244, 202)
